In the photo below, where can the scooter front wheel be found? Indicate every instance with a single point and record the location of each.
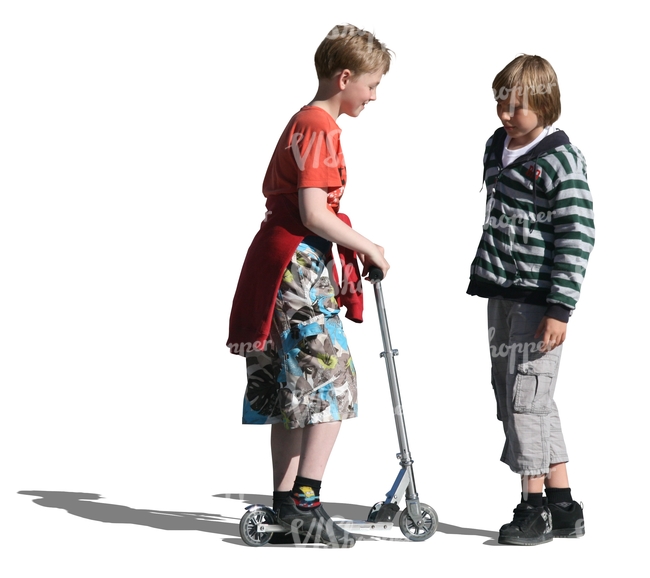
(422, 531)
(248, 526)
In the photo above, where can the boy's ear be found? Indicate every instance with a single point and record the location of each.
(344, 78)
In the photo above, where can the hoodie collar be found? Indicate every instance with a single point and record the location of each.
(552, 141)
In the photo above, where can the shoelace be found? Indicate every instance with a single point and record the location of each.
(523, 512)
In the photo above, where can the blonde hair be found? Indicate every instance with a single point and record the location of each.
(347, 46)
(533, 80)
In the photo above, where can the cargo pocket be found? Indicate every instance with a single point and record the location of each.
(533, 386)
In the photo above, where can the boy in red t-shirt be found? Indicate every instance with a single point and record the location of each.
(284, 319)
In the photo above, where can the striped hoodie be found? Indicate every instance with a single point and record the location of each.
(539, 226)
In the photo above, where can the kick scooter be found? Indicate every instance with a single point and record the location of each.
(418, 521)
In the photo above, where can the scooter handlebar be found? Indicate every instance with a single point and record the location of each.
(375, 274)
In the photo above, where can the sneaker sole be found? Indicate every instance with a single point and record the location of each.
(526, 541)
(569, 533)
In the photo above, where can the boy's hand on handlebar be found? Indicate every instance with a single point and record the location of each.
(375, 259)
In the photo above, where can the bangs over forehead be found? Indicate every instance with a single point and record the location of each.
(532, 81)
(352, 48)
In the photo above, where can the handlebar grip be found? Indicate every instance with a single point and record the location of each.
(375, 274)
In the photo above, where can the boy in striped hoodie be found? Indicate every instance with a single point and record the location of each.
(530, 264)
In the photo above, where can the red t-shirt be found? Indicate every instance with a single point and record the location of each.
(308, 154)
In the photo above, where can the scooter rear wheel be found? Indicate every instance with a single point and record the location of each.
(248, 526)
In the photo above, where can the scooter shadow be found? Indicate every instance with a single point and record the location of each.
(88, 505)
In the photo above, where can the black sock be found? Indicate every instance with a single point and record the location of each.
(559, 496)
(278, 498)
(306, 493)
(535, 500)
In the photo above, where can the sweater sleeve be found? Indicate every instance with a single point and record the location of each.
(573, 227)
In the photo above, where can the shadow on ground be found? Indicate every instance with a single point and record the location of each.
(88, 506)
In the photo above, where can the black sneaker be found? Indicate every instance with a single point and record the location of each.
(568, 521)
(313, 526)
(529, 527)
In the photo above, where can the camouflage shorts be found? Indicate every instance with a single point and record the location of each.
(305, 375)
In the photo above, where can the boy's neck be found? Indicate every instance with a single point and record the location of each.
(328, 96)
(520, 142)
(331, 108)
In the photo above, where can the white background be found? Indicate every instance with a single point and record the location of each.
(134, 140)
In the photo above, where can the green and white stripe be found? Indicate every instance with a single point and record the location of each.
(537, 235)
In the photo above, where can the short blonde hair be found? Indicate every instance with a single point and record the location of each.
(352, 48)
(533, 80)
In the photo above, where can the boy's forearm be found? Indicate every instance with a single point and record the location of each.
(330, 227)
(322, 222)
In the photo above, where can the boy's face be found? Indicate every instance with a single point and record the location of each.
(521, 123)
(359, 90)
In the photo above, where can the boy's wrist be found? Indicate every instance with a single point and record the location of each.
(559, 312)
